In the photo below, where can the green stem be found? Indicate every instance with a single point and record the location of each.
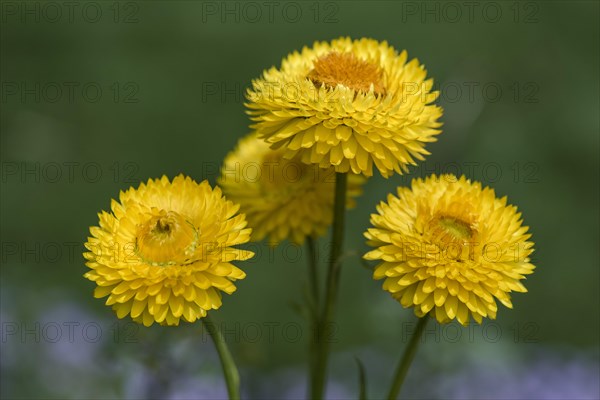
(407, 358)
(230, 371)
(314, 306)
(312, 271)
(331, 288)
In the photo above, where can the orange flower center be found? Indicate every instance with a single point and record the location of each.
(166, 238)
(346, 69)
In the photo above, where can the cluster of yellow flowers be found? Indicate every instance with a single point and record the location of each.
(165, 251)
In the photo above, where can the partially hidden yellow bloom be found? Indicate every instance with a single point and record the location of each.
(282, 199)
(450, 249)
(350, 104)
(164, 252)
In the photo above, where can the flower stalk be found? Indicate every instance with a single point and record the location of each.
(331, 288)
(313, 276)
(230, 371)
(407, 358)
(314, 305)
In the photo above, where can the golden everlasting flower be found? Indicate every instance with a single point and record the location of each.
(164, 253)
(449, 248)
(348, 104)
(282, 199)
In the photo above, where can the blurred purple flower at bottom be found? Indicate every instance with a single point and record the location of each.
(205, 388)
(546, 378)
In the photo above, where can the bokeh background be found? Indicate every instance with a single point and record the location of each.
(98, 96)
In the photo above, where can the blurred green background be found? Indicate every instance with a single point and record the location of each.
(103, 95)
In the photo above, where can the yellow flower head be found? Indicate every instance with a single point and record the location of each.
(347, 104)
(449, 248)
(164, 252)
(282, 199)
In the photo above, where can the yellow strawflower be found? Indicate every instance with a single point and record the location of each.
(450, 248)
(164, 252)
(282, 199)
(347, 104)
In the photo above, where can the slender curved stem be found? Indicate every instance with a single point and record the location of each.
(407, 358)
(230, 371)
(324, 327)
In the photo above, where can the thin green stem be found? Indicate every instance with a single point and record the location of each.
(313, 279)
(313, 276)
(324, 327)
(230, 371)
(407, 358)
